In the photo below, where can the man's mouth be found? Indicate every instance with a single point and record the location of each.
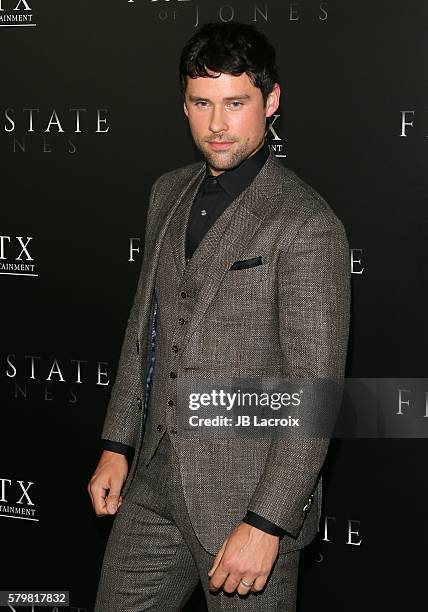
(221, 145)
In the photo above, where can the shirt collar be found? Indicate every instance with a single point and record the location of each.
(234, 181)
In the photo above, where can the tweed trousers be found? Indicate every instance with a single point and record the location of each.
(153, 559)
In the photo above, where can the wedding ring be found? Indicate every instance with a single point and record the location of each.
(246, 583)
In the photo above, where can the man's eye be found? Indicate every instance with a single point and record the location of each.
(236, 104)
(201, 103)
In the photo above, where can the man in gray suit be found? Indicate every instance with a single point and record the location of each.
(245, 273)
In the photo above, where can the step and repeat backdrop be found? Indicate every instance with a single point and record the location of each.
(91, 115)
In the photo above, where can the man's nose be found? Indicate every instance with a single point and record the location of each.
(217, 120)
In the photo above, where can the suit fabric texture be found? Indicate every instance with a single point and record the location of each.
(267, 292)
(154, 560)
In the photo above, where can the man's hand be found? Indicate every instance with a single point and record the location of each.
(106, 483)
(246, 554)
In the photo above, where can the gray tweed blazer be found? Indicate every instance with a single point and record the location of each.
(295, 322)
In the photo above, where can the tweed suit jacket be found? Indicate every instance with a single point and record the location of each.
(287, 317)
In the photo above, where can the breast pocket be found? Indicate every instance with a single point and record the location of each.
(247, 271)
(252, 262)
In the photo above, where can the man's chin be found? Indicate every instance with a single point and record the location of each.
(221, 161)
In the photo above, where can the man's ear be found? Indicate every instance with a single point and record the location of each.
(272, 102)
(186, 112)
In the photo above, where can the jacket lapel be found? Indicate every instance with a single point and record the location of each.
(155, 237)
(177, 235)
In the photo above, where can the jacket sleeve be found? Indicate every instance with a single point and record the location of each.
(123, 410)
(313, 318)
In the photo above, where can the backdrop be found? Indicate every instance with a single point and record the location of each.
(91, 115)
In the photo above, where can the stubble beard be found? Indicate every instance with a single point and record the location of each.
(224, 160)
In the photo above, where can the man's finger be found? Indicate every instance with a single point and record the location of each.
(88, 488)
(99, 500)
(242, 589)
(259, 583)
(112, 501)
(217, 559)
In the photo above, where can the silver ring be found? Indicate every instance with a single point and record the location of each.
(246, 583)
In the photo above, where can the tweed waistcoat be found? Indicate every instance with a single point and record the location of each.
(177, 286)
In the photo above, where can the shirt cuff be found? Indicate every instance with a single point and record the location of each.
(261, 523)
(118, 447)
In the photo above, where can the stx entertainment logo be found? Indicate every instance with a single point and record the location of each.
(16, 13)
(15, 501)
(276, 143)
(16, 262)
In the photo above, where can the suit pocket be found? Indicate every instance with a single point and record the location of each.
(246, 273)
(247, 263)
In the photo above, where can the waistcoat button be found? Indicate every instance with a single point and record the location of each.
(174, 348)
(181, 321)
(183, 295)
(171, 403)
(172, 375)
(159, 427)
(139, 403)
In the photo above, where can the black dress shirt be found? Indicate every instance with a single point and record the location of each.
(213, 197)
(217, 192)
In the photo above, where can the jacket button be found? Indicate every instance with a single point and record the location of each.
(139, 403)
(183, 295)
(159, 427)
(308, 504)
(172, 375)
(181, 321)
(171, 403)
(174, 348)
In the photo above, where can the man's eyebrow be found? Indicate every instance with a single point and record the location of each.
(229, 98)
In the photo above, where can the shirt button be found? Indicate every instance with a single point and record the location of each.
(203, 212)
(174, 348)
(139, 403)
(171, 403)
(181, 321)
(159, 427)
(183, 295)
(172, 375)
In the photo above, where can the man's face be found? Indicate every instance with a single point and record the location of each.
(227, 118)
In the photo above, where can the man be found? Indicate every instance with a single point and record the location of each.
(245, 272)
